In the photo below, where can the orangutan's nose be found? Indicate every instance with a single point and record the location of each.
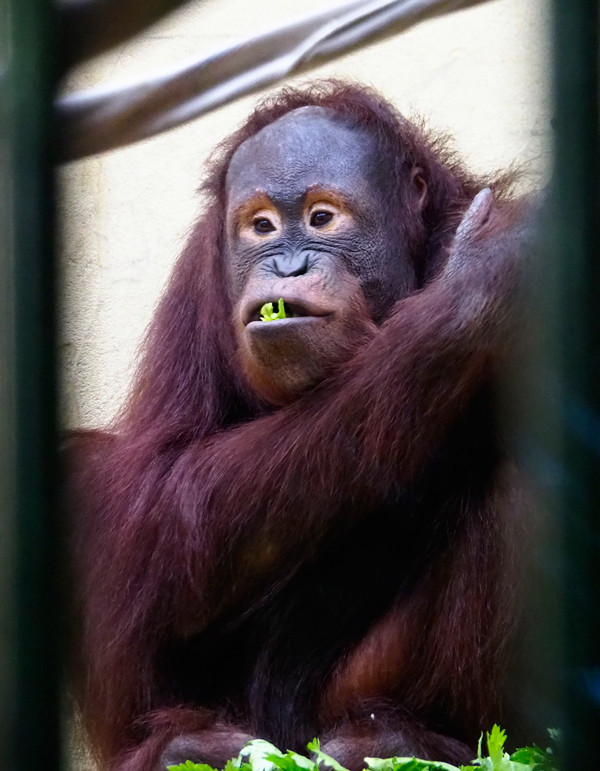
(287, 265)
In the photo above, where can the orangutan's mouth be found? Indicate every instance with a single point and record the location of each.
(293, 309)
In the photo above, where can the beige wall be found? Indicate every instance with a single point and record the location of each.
(479, 74)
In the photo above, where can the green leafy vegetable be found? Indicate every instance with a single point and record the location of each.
(322, 757)
(498, 760)
(406, 764)
(535, 758)
(268, 314)
(257, 754)
(260, 755)
(523, 759)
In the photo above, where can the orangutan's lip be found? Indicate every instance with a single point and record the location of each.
(294, 310)
(268, 328)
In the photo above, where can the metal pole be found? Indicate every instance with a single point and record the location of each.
(31, 560)
(575, 252)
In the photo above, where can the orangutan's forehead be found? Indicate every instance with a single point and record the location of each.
(308, 147)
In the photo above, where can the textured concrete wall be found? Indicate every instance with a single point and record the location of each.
(479, 74)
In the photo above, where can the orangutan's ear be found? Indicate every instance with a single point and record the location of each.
(418, 180)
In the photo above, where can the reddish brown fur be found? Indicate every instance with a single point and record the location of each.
(202, 506)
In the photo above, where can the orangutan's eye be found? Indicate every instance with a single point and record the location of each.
(319, 219)
(263, 225)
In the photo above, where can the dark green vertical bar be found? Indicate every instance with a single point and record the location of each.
(29, 723)
(576, 255)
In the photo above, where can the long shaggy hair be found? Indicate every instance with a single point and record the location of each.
(164, 496)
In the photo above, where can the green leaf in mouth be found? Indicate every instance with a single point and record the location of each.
(268, 314)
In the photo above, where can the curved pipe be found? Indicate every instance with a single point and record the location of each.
(102, 119)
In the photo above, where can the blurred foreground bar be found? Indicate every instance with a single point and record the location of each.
(30, 560)
(574, 240)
